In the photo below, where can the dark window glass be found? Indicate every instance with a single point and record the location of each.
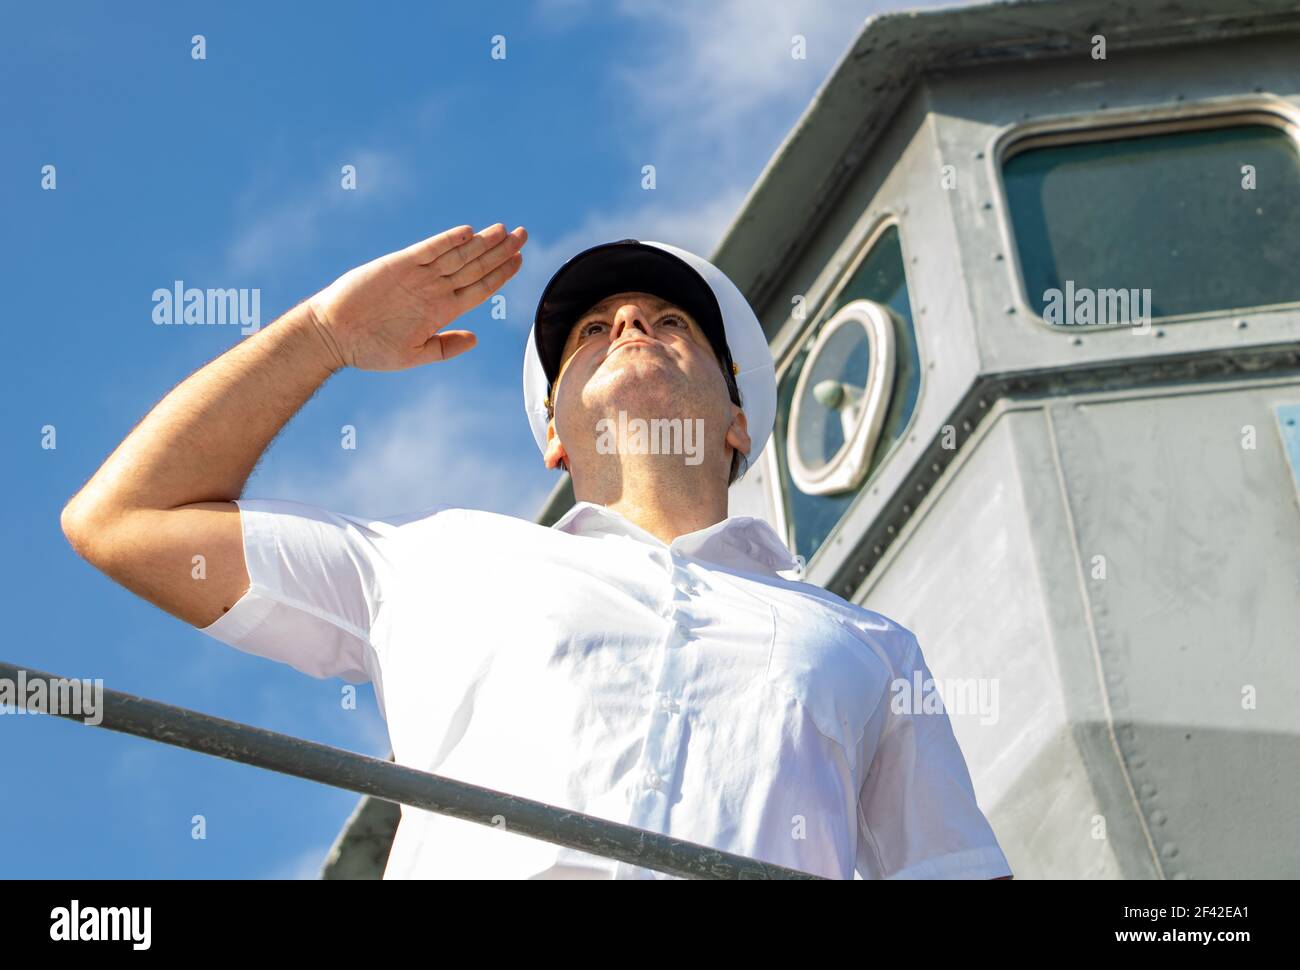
(1169, 214)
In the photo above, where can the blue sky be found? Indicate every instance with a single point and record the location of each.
(225, 172)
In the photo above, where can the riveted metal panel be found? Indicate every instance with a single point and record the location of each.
(985, 576)
(1189, 539)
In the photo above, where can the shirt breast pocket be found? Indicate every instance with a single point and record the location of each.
(831, 670)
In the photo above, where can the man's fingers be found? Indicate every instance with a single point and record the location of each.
(483, 240)
(476, 269)
(427, 250)
(476, 293)
(445, 346)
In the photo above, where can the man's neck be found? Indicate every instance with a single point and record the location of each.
(665, 500)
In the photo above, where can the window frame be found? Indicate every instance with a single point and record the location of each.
(1105, 126)
(876, 321)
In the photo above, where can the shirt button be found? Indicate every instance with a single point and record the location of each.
(666, 703)
(651, 780)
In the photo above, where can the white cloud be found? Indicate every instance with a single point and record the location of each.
(715, 81)
(561, 14)
(284, 228)
(716, 63)
(447, 445)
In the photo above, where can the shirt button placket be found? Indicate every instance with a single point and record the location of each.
(685, 589)
(664, 738)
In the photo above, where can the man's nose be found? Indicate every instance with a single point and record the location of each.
(628, 316)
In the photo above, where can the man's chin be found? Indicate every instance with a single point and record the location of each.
(647, 403)
(657, 391)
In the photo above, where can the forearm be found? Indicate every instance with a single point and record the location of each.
(201, 442)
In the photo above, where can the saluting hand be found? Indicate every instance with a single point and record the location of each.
(389, 314)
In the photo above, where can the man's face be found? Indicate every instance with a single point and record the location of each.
(636, 352)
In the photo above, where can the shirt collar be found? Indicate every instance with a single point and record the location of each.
(742, 542)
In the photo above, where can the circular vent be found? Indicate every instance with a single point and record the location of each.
(840, 400)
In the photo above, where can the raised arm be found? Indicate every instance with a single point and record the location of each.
(166, 493)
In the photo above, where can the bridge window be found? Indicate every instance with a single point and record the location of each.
(1162, 224)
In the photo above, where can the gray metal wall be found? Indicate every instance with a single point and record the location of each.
(1121, 696)
(1123, 747)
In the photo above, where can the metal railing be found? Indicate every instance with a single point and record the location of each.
(144, 718)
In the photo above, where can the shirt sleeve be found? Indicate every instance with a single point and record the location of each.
(917, 813)
(315, 582)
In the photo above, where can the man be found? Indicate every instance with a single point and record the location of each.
(640, 660)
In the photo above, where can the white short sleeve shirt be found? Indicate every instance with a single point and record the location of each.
(688, 688)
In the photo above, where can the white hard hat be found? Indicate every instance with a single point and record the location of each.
(692, 283)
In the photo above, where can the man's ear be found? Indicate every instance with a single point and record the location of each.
(555, 452)
(738, 431)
